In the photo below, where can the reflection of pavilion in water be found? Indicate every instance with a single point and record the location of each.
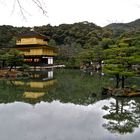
(38, 85)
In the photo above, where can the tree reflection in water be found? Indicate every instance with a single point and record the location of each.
(123, 115)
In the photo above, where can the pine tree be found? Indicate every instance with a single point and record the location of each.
(120, 59)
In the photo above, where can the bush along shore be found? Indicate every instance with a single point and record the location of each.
(13, 74)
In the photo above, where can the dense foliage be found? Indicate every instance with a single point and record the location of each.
(11, 58)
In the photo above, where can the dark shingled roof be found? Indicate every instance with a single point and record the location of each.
(32, 34)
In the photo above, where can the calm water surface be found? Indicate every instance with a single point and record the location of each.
(66, 105)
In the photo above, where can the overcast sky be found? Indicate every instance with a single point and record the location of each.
(100, 12)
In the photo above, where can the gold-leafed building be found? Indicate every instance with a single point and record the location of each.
(35, 48)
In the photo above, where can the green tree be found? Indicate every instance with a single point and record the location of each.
(107, 34)
(3, 58)
(106, 42)
(52, 42)
(85, 56)
(120, 58)
(15, 58)
(98, 55)
(92, 56)
(11, 58)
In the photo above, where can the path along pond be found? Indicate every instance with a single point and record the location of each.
(66, 105)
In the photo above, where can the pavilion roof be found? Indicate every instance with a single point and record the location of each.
(32, 34)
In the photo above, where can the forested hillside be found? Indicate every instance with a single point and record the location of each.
(8, 34)
(81, 33)
(119, 28)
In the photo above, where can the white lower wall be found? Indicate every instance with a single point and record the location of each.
(50, 60)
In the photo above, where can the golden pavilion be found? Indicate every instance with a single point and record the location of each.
(35, 48)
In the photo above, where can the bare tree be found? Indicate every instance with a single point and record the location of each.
(40, 4)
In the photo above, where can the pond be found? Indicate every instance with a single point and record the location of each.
(66, 105)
